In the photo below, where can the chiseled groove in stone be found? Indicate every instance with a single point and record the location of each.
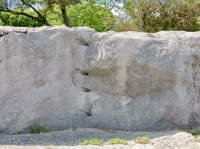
(83, 43)
(82, 72)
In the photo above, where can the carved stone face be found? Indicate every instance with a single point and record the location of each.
(122, 67)
(61, 78)
(142, 77)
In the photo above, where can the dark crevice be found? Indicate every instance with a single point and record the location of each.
(24, 32)
(88, 112)
(4, 33)
(83, 43)
(0, 61)
(151, 35)
(82, 72)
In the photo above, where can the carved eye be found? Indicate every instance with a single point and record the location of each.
(82, 72)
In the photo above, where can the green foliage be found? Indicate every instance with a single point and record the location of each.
(34, 9)
(86, 89)
(117, 141)
(81, 13)
(34, 129)
(8, 19)
(142, 140)
(55, 17)
(88, 13)
(153, 16)
(92, 142)
(45, 130)
(198, 20)
(194, 133)
(141, 15)
(37, 129)
(1, 23)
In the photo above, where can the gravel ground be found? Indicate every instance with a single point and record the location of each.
(70, 139)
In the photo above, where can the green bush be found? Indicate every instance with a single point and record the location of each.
(142, 140)
(92, 142)
(37, 129)
(154, 16)
(1, 23)
(194, 133)
(90, 14)
(8, 19)
(117, 141)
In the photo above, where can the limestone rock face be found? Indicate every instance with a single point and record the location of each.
(62, 78)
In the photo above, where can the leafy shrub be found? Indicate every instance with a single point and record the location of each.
(117, 141)
(194, 133)
(9, 19)
(88, 13)
(1, 22)
(92, 142)
(154, 16)
(37, 129)
(142, 140)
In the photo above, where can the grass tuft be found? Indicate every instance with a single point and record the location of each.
(194, 133)
(37, 129)
(92, 142)
(142, 140)
(117, 141)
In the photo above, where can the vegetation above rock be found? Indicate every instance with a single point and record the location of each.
(117, 15)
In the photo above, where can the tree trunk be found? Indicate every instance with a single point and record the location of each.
(65, 17)
(47, 23)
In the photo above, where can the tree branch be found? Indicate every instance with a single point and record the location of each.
(27, 15)
(39, 14)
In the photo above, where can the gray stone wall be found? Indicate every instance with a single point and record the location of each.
(62, 78)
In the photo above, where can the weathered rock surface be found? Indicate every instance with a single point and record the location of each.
(180, 140)
(61, 78)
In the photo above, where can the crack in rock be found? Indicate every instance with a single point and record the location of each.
(7, 30)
